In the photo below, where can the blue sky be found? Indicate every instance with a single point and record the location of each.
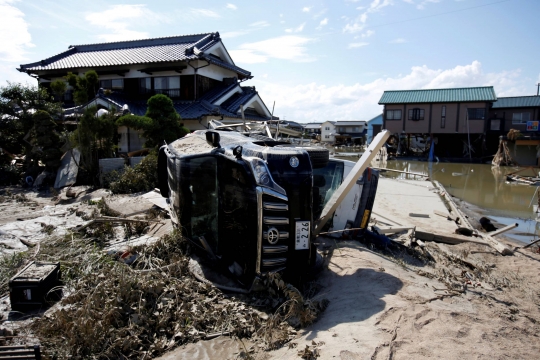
(318, 60)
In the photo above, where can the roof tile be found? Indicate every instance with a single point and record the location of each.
(484, 93)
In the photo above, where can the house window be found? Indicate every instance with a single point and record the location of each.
(393, 114)
(495, 125)
(416, 114)
(521, 118)
(145, 85)
(476, 114)
(168, 85)
(327, 128)
(443, 117)
(327, 136)
(112, 84)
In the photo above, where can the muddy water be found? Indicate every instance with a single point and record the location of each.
(483, 186)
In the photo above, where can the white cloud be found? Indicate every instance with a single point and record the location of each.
(118, 18)
(14, 35)
(306, 9)
(296, 29)
(368, 33)
(252, 27)
(232, 7)
(289, 47)
(360, 22)
(357, 45)
(323, 22)
(205, 13)
(423, 4)
(260, 24)
(317, 102)
(319, 14)
(233, 34)
(398, 41)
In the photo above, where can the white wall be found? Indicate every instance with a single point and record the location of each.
(325, 134)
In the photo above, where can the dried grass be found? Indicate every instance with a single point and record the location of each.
(114, 311)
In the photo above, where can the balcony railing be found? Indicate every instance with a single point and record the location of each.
(172, 93)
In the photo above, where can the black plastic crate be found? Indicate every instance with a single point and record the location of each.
(31, 288)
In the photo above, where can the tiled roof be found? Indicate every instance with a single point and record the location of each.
(188, 110)
(233, 103)
(157, 50)
(484, 93)
(349, 123)
(516, 101)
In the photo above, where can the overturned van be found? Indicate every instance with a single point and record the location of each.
(250, 202)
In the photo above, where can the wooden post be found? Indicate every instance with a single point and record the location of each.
(347, 184)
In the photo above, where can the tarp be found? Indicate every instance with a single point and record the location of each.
(67, 173)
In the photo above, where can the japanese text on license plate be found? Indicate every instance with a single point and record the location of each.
(302, 235)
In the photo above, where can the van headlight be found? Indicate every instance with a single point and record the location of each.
(262, 174)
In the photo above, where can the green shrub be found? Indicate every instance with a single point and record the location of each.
(142, 177)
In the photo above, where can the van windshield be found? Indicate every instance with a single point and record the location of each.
(326, 180)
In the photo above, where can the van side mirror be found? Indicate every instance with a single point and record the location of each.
(212, 138)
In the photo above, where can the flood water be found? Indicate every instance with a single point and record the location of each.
(481, 185)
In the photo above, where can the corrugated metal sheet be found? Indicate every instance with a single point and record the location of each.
(485, 93)
(516, 101)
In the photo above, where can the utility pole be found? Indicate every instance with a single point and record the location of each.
(537, 89)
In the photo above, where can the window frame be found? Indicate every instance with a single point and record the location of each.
(416, 114)
(443, 116)
(474, 113)
(521, 121)
(393, 113)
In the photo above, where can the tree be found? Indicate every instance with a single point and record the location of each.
(47, 140)
(85, 87)
(58, 88)
(160, 123)
(18, 103)
(95, 139)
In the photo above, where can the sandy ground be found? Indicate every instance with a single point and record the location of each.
(400, 307)
(468, 302)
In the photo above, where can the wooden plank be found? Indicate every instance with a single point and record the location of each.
(503, 249)
(419, 215)
(451, 239)
(504, 229)
(445, 215)
(527, 142)
(401, 171)
(462, 218)
(391, 230)
(339, 195)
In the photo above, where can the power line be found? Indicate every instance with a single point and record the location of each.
(444, 13)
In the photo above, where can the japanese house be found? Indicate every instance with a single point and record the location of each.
(195, 71)
(457, 119)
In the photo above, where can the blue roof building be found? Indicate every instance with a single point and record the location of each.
(374, 126)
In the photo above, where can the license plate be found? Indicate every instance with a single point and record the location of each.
(302, 235)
